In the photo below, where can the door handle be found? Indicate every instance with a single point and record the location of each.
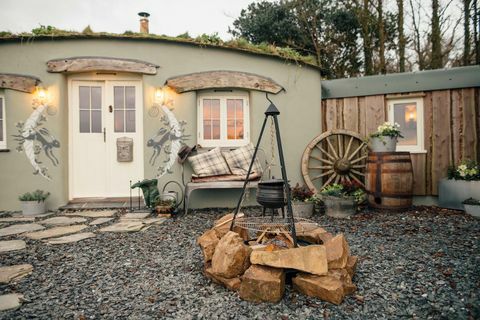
(110, 109)
(104, 135)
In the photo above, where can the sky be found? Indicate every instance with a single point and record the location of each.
(171, 17)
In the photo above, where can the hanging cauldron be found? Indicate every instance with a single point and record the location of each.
(270, 193)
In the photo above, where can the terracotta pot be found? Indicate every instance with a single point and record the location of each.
(383, 144)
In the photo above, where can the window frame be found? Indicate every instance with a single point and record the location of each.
(223, 96)
(420, 146)
(3, 143)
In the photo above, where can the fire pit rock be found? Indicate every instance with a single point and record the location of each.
(257, 271)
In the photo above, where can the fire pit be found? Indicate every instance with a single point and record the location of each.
(256, 266)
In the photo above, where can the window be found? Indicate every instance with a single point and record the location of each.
(3, 127)
(223, 119)
(408, 113)
(90, 103)
(124, 106)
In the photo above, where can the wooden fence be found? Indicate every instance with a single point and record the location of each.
(451, 124)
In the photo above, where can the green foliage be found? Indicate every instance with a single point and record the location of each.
(5, 34)
(209, 39)
(37, 195)
(472, 202)
(184, 35)
(345, 189)
(44, 30)
(468, 170)
(302, 193)
(87, 30)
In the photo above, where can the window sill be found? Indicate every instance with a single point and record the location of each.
(4, 150)
(413, 151)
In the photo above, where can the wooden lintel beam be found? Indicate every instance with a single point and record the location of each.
(19, 82)
(223, 79)
(85, 64)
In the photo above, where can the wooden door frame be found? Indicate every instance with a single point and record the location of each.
(93, 76)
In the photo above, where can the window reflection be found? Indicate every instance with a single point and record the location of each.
(405, 114)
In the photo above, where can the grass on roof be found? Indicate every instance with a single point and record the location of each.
(212, 40)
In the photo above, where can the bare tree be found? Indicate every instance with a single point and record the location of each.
(381, 37)
(466, 32)
(436, 37)
(401, 37)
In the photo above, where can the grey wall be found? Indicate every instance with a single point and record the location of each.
(299, 106)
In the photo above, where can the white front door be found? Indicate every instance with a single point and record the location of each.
(101, 114)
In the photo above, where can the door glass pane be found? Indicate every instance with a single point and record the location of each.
(96, 121)
(118, 97)
(1, 129)
(119, 119)
(84, 97)
(84, 121)
(130, 97)
(1, 108)
(96, 97)
(405, 114)
(130, 121)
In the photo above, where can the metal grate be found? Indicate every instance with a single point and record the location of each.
(275, 224)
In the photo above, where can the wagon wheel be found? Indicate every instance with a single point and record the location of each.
(334, 156)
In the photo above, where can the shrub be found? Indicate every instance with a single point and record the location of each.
(302, 193)
(467, 170)
(37, 195)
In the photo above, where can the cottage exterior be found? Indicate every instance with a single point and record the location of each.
(104, 99)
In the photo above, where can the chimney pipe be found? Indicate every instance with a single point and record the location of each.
(144, 22)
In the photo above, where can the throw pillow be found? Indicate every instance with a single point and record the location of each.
(209, 163)
(238, 160)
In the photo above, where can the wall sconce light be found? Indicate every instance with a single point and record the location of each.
(41, 97)
(159, 96)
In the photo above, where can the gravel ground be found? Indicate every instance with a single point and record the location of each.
(424, 263)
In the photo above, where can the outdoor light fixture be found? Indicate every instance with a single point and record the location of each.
(159, 96)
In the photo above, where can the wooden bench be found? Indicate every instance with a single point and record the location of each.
(192, 186)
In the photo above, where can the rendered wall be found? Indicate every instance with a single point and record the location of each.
(299, 107)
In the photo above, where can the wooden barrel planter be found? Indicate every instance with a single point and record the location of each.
(389, 180)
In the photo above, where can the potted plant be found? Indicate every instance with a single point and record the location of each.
(472, 207)
(33, 203)
(341, 199)
(165, 205)
(303, 201)
(462, 182)
(385, 139)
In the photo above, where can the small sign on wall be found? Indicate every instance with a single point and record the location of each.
(124, 149)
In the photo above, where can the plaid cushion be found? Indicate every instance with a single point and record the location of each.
(238, 160)
(209, 163)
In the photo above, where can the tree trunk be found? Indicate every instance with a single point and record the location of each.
(466, 32)
(436, 37)
(476, 31)
(381, 37)
(401, 37)
(367, 38)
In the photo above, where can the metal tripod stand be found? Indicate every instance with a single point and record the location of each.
(273, 112)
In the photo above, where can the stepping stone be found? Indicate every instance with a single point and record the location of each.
(55, 232)
(71, 238)
(17, 219)
(92, 214)
(62, 221)
(13, 273)
(154, 220)
(135, 215)
(100, 221)
(20, 228)
(12, 245)
(10, 301)
(124, 226)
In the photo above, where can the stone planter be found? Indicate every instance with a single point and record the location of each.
(32, 208)
(473, 210)
(383, 144)
(451, 193)
(339, 207)
(302, 209)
